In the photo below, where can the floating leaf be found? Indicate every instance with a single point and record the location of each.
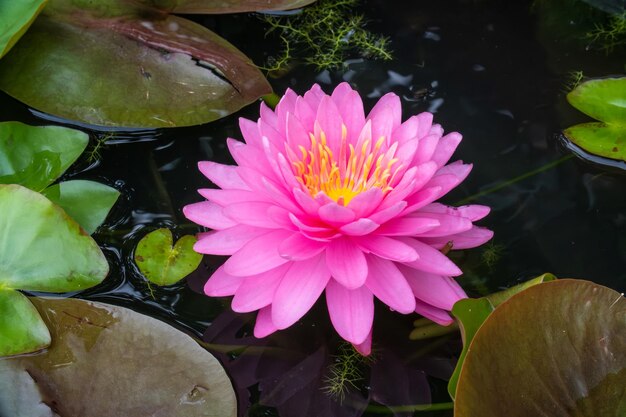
(35, 156)
(168, 71)
(604, 100)
(42, 248)
(556, 349)
(235, 6)
(15, 19)
(21, 328)
(472, 313)
(87, 202)
(110, 361)
(163, 264)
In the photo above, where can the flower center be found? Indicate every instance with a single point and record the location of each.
(342, 177)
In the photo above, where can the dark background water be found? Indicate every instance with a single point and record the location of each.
(494, 71)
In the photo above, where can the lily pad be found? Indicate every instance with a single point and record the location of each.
(35, 156)
(87, 202)
(110, 361)
(21, 327)
(15, 19)
(604, 100)
(128, 63)
(556, 349)
(163, 264)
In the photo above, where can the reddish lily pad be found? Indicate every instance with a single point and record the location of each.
(127, 63)
(557, 349)
(110, 361)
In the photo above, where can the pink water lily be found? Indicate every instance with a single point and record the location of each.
(325, 199)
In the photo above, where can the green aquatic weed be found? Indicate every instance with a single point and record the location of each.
(325, 35)
(344, 373)
(610, 35)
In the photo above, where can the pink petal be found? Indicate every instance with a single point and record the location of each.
(389, 285)
(225, 197)
(351, 311)
(252, 213)
(360, 227)
(280, 217)
(286, 106)
(224, 176)
(407, 131)
(422, 198)
(346, 263)
(264, 326)
(340, 92)
(351, 110)
(304, 200)
(258, 255)
(208, 215)
(446, 147)
(336, 215)
(473, 212)
(431, 260)
(250, 158)
(257, 291)
(227, 241)
(448, 225)
(386, 115)
(222, 284)
(436, 290)
(425, 122)
(250, 132)
(365, 348)
(297, 135)
(268, 115)
(314, 96)
(389, 213)
(472, 238)
(435, 314)
(366, 202)
(330, 123)
(388, 248)
(299, 289)
(407, 226)
(425, 149)
(299, 247)
(305, 113)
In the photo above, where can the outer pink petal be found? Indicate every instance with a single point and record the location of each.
(425, 124)
(388, 248)
(407, 226)
(435, 314)
(252, 213)
(431, 260)
(389, 108)
(472, 238)
(264, 326)
(227, 241)
(314, 96)
(222, 284)
(297, 135)
(360, 227)
(340, 92)
(346, 263)
(225, 197)
(351, 110)
(268, 115)
(365, 348)
(299, 289)
(389, 285)
(407, 131)
(224, 176)
(436, 290)
(389, 213)
(446, 147)
(473, 212)
(257, 291)
(305, 113)
(209, 215)
(448, 224)
(258, 255)
(351, 311)
(299, 247)
(250, 132)
(330, 122)
(425, 149)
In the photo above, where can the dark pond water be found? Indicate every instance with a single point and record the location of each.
(493, 71)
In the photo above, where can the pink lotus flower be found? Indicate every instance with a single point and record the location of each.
(325, 199)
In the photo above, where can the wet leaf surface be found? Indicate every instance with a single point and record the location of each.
(35, 156)
(87, 202)
(110, 361)
(163, 264)
(129, 64)
(15, 19)
(556, 349)
(21, 328)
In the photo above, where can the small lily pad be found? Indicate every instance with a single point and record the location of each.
(35, 156)
(604, 100)
(163, 264)
(110, 361)
(556, 349)
(87, 202)
(21, 328)
(15, 19)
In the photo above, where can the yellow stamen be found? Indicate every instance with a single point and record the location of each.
(356, 170)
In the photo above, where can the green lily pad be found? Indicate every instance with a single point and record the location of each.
(471, 314)
(556, 349)
(127, 63)
(21, 328)
(163, 264)
(603, 99)
(110, 361)
(42, 248)
(87, 202)
(35, 156)
(15, 19)
(599, 139)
